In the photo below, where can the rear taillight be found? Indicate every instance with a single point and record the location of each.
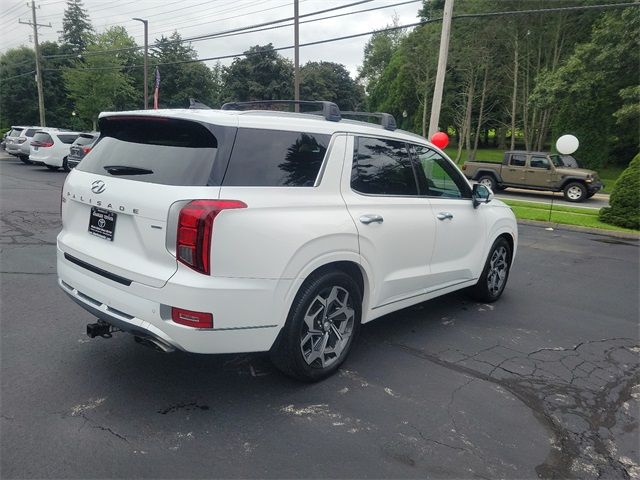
(86, 150)
(21, 140)
(195, 230)
(42, 144)
(191, 319)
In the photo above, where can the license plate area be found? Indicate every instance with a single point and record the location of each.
(102, 223)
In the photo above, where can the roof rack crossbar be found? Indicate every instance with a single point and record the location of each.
(330, 110)
(387, 120)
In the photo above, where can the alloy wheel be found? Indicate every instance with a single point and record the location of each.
(328, 327)
(498, 267)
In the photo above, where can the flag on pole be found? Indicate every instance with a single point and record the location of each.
(156, 92)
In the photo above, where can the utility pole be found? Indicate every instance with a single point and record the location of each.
(35, 26)
(296, 55)
(146, 55)
(436, 103)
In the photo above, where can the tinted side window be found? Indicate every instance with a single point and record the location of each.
(275, 158)
(382, 167)
(441, 178)
(518, 160)
(539, 162)
(30, 132)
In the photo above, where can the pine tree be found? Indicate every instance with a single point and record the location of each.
(77, 30)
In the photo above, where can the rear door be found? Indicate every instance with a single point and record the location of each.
(117, 204)
(515, 171)
(396, 227)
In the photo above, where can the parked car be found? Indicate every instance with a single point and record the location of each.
(226, 231)
(4, 141)
(51, 148)
(536, 171)
(12, 146)
(80, 147)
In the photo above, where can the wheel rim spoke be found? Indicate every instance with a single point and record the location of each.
(328, 325)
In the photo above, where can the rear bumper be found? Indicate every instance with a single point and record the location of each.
(247, 313)
(13, 149)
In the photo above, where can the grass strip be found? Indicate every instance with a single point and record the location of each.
(561, 214)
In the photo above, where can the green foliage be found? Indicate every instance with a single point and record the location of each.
(625, 199)
(181, 81)
(18, 94)
(262, 75)
(595, 86)
(77, 31)
(378, 52)
(330, 81)
(99, 82)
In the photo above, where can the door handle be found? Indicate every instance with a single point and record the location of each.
(444, 216)
(371, 218)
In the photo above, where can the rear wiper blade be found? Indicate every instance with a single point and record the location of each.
(126, 170)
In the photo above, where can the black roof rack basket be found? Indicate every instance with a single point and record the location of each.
(387, 120)
(329, 110)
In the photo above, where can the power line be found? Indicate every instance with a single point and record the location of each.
(221, 33)
(16, 76)
(387, 29)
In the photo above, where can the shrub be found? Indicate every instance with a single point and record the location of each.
(625, 199)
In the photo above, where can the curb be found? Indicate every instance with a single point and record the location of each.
(576, 228)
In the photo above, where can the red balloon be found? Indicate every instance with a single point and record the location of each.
(440, 139)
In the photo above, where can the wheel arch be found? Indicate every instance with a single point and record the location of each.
(567, 180)
(483, 172)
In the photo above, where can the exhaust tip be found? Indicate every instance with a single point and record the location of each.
(155, 344)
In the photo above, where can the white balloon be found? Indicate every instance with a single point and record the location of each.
(567, 144)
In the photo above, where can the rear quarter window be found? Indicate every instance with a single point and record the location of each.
(275, 158)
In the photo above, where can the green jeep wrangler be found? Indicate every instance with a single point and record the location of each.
(536, 171)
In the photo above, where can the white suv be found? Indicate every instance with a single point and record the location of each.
(220, 231)
(50, 147)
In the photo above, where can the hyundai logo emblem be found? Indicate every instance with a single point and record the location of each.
(98, 186)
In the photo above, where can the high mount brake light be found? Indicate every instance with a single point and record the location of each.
(195, 230)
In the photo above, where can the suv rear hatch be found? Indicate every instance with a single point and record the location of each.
(117, 204)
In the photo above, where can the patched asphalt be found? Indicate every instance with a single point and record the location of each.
(543, 383)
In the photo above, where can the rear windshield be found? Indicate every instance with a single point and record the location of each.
(42, 137)
(154, 150)
(274, 158)
(68, 139)
(15, 132)
(84, 139)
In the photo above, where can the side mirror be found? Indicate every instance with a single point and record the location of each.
(481, 194)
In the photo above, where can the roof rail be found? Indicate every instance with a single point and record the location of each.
(330, 110)
(387, 120)
(194, 104)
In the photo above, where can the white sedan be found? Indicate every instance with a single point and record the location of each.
(51, 148)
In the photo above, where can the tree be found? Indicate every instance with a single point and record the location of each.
(263, 74)
(77, 30)
(625, 199)
(18, 95)
(181, 75)
(100, 83)
(593, 85)
(332, 82)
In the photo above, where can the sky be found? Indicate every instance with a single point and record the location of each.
(197, 17)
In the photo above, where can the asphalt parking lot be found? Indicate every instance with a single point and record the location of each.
(544, 383)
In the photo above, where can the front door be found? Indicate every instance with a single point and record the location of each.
(460, 228)
(540, 172)
(396, 226)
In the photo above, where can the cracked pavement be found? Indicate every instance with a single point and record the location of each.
(544, 383)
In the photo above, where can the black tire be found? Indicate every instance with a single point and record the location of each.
(25, 160)
(291, 352)
(575, 192)
(65, 164)
(51, 167)
(488, 181)
(487, 290)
